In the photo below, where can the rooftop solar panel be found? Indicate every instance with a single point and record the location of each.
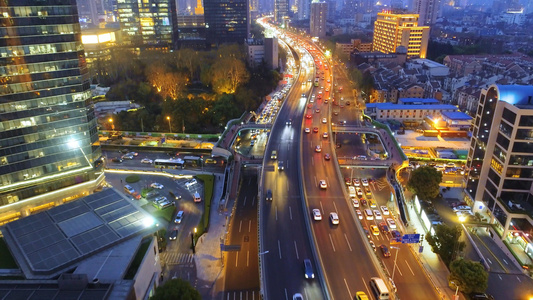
(79, 224)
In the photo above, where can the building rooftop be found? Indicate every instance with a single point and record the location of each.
(418, 101)
(51, 242)
(518, 95)
(456, 115)
(384, 106)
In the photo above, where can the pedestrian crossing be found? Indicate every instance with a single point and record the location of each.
(242, 295)
(176, 258)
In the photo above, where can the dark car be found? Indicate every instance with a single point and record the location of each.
(268, 195)
(173, 235)
(481, 296)
(384, 228)
(116, 159)
(366, 232)
(124, 151)
(174, 196)
(396, 234)
(308, 269)
(385, 251)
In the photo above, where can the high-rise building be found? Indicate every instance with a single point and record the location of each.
(281, 10)
(49, 148)
(500, 162)
(226, 21)
(89, 11)
(303, 9)
(148, 23)
(428, 11)
(317, 21)
(393, 30)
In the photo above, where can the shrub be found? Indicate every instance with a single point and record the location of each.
(133, 178)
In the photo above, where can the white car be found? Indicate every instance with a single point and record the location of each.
(318, 148)
(359, 214)
(385, 210)
(325, 135)
(323, 184)
(359, 191)
(356, 182)
(334, 218)
(307, 130)
(156, 185)
(317, 215)
(392, 224)
(324, 120)
(377, 214)
(146, 161)
(364, 181)
(355, 202)
(179, 217)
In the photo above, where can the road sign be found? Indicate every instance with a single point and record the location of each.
(396, 241)
(411, 238)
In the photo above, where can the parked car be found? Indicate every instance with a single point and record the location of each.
(156, 185)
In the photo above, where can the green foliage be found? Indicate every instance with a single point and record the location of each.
(145, 191)
(469, 276)
(133, 178)
(425, 182)
(176, 289)
(446, 242)
(165, 213)
(208, 181)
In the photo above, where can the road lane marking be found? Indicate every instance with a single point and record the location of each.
(366, 286)
(276, 213)
(321, 207)
(248, 258)
(409, 267)
(286, 296)
(518, 278)
(253, 201)
(279, 249)
(397, 267)
(490, 261)
(316, 182)
(312, 161)
(240, 225)
(505, 261)
(250, 226)
(500, 277)
(331, 240)
(296, 248)
(290, 212)
(348, 288)
(244, 203)
(335, 207)
(250, 181)
(346, 237)
(236, 258)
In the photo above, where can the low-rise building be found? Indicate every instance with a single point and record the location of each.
(403, 112)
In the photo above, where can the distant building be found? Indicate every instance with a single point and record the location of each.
(393, 30)
(303, 9)
(428, 67)
(281, 10)
(99, 44)
(418, 101)
(148, 24)
(402, 112)
(191, 31)
(500, 164)
(90, 11)
(357, 57)
(317, 22)
(428, 10)
(226, 21)
(259, 50)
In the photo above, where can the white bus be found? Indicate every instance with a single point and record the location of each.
(379, 289)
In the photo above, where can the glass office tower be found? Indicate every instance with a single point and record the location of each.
(49, 150)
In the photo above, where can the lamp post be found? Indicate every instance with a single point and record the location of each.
(193, 243)
(112, 124)
(169, 126)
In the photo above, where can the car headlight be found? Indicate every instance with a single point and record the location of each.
(306, 276)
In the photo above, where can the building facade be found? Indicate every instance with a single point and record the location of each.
(428, 10)
(191, 31)
(500, 163)
(393, 30)
(49, 148)
(281, 10)
(226, 21)
(317, 22)
(149, 23)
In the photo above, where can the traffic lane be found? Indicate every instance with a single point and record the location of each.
(242, 266)
(351, 145)
(339, 245)
(510, 286)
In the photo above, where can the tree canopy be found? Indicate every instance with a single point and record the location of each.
(469, 276)
(425, 182)
(176, 289)
(446, 242)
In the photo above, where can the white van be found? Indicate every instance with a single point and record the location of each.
(369, 215)
(379, 289)
(351, 191)
(197, 197)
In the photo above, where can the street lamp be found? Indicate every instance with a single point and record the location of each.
(169, 126)
(112, 124)
(193, 243)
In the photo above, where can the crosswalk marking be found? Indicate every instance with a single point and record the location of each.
(177, 258)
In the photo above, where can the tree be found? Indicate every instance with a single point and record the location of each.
(446, 242)
(176, 289)
(469, 276)
(425, 182)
